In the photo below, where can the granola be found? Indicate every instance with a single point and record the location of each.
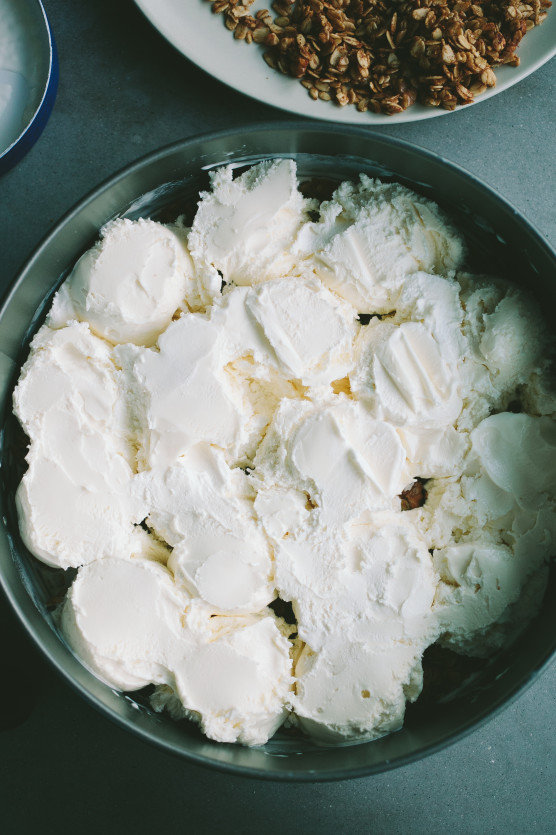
(385, 56)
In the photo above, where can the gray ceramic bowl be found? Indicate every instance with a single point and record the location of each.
(457, 698)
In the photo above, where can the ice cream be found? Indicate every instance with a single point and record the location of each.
(76, 501)
(245, 226)
(225, 417)
(362, 599)
(129, 285)
(371, 236)
(344, 460)
(232, 675)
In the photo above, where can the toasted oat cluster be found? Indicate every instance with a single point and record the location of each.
(382, 55)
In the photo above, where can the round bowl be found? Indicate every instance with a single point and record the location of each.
(163, 185)
(28, 77)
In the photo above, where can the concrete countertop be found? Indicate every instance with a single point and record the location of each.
(65, 768)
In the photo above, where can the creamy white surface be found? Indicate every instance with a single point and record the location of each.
(129, 623)
(129, 285)
(204, 511)
(371, 236)
(364, 606)
(345, 460)
(249, 437)
(245, 226)
(76, 501)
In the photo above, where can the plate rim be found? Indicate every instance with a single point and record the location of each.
(155, 10)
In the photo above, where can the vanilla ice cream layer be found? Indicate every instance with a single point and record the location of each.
(505, 331)
(405, 377)
(281, 510)
(497, 635)
(446, 514)
(128, 622)
(200, 482)
(72, 369)
(435, 302)
(235, 412)
(245, 226)
(364, 608)
(232, 572)
(513, 342)
(215, 380)
(243, 335)
(481, 581)
(344, 459)
(351, 692)
(310, 330)
(505, 486)
(518, 453)
(538, 395)
(205, 512)
(508, 346)
(374, 583)
(124, 619)
(238, 686)
(71, 512)
(189, 397)
(500, 526)
(434, 453)
(248, 357)
(129, 285)
(76, 500)
(371, 236)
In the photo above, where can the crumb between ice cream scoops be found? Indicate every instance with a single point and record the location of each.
(280, 488)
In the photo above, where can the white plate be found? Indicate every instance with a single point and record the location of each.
(202, 37)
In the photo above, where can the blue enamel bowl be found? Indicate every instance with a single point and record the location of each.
(28, 77)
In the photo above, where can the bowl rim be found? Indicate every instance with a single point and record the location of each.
(12, 582)
(23, 143)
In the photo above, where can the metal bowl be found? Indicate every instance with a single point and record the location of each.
(28, 77)
(163, 185)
